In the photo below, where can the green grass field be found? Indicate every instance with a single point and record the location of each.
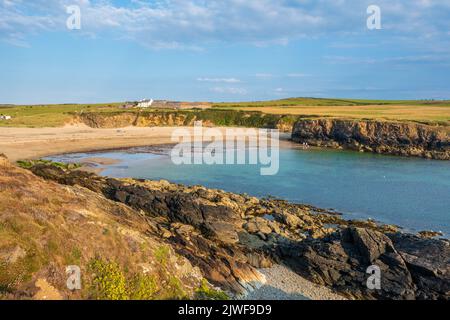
(49, 115)
(424, 111)
(291, 102)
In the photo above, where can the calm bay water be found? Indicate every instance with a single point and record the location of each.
(412, 193)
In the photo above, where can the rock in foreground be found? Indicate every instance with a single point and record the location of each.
(229, 236)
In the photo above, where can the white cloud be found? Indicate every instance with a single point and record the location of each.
(436, 58)
(196, 23)
(229, 90)
(264, 75)
(297, 75)
(225, 80)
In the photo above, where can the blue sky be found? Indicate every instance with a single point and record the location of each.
(228, 50)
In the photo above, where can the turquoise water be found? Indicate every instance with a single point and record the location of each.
(412, 193)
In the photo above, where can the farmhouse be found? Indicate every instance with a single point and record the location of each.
(164, 104)
(145, 103)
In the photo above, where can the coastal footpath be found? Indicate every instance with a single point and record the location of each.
(222, 237)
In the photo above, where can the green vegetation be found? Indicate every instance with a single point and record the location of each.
(174, 290)
(227, 118)
(109, 282)
(29, 258)
(233, 118)
(162, 255)
(218, 117)
(145, 287)
(426, 111)
(329, 102)
(49, 115)
(27, 164)
(205, 292)
(44, 228)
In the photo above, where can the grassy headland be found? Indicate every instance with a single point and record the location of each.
(54, 115)
(424, 111)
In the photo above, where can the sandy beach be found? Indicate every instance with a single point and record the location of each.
(32, 143)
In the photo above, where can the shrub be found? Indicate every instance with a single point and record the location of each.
(162, 255)
(144, 287)
(109, 282)
(174, 290)
(205, 292)
(27, 164)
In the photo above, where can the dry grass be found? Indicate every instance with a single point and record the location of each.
(413, 110)
(45, 227)
(421, 113)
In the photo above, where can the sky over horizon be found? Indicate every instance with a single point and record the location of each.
(228, 50)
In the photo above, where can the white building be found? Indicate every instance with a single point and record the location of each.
(145, 103)
(4, 117)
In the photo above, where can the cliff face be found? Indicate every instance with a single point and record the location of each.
(405, 139)
(121, 120)
(396, 138)
(187, 118)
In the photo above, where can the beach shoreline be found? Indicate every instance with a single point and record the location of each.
(282, 282)
(34, 143)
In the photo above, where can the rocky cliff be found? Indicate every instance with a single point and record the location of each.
(396, 138)
(229, 236)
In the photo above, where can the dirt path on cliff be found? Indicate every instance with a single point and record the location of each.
(30, 143)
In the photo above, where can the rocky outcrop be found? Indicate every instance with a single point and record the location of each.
(411, 268)
(46, 227)
(429, 264)
(201, 229)
(228, 236)
(396, 138)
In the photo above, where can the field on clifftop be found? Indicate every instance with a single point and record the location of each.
(430, 112)
(48, 115)
(424, 111)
